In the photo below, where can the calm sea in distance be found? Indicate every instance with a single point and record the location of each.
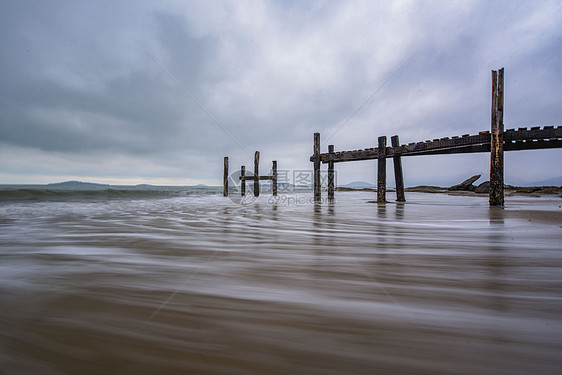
(148, 280)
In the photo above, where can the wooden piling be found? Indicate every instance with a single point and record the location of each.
(496, 197)
(330, 175)
(242, 181)
(257, 174)
(274, 178)
(225, 178)
(398, 176)
(381, 180)
(316, 153)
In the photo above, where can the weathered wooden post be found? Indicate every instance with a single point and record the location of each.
(317, 187)
(225, 178)
(274, 178)
(242, 180)
(381, 180)
(331, 174)
(398, 177)
(496, 147)
(256, 174)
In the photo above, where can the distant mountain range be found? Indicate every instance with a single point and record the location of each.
(76, 183)
(82, 183)
(555, 181)
(359, 185)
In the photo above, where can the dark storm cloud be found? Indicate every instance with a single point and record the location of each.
(169, 84)
(84, 99)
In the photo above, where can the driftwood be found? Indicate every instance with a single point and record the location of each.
(466, 185)
(483, 188)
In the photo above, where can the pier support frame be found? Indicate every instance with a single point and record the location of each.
(256, 178)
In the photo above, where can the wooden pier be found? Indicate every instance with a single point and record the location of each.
(256, 178)
(495, 141)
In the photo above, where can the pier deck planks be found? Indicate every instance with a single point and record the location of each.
(514, 140)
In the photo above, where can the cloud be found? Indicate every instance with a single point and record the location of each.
(137, 90)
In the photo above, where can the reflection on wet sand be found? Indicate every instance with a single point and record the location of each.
(440, 285)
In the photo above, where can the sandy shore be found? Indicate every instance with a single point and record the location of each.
(532, 191)
(544, 211)
(536, 216)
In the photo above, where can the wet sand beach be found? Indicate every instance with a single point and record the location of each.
(199, 285)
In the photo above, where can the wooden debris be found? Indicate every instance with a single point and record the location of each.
(466, 185)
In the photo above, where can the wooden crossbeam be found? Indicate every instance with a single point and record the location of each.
(520, 139)
(253, 178)
(547, 132)
(531, 145)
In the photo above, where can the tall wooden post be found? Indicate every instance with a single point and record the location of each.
(496, 147)
(257, 174)
(331, 175)
(225, 178)
(398, 177)
(317, 187)
(242, 180)
(274, 178)
(381, 180)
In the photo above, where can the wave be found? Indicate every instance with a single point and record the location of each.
(74, 194)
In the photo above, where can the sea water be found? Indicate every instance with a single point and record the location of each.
(118, 280)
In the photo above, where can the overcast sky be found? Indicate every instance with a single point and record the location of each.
(159, 92)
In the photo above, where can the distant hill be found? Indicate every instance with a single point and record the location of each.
(555, 181)
(76, 183)
(359, 185)
(286, 185)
